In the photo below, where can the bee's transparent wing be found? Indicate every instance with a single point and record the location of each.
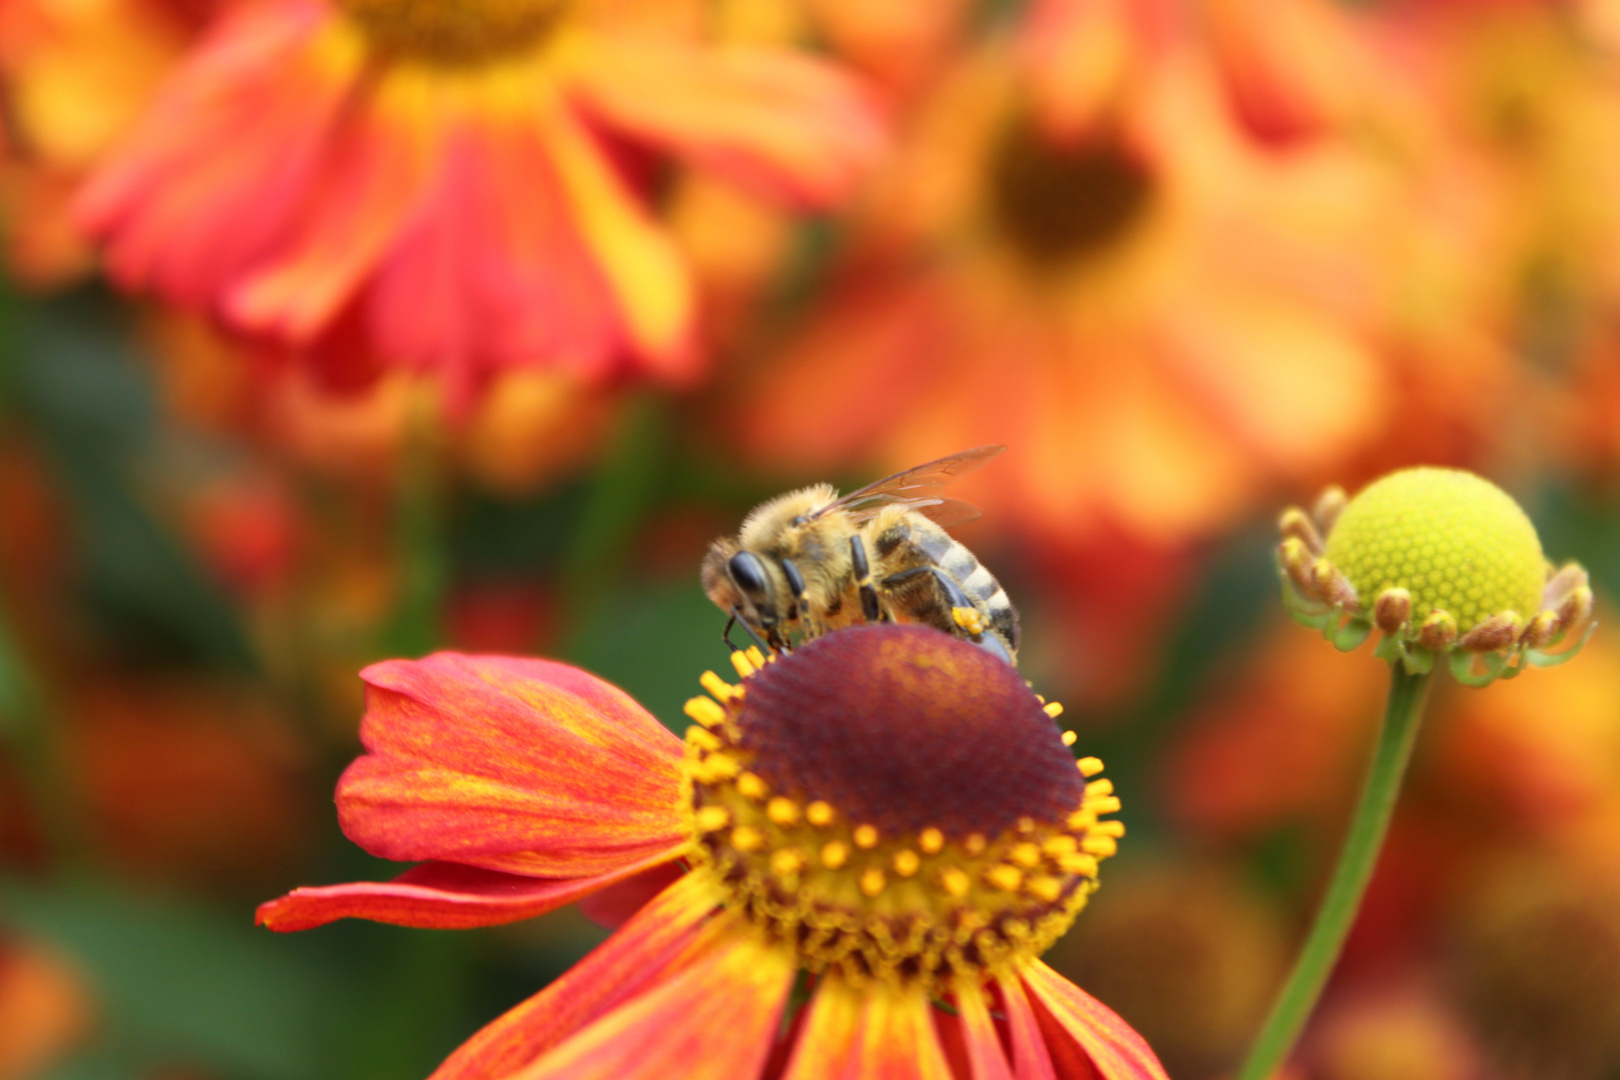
(918, 488)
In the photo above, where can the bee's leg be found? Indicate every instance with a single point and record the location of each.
(871, 607)
(967, 618)
(801, 604)
(736, 619)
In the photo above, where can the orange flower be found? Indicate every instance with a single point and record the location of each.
(1161, 319)
(1291, 70)
(888, 808)
(75, 75)
(448, 187)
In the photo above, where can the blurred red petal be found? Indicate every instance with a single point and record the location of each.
(527, 766)
(221, 165)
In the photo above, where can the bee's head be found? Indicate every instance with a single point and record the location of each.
(738, 580)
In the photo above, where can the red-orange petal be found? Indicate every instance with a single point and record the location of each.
(828, 1046)
(659, 941)
(613, 905)
(1031, 1058)
(1115, 1051)
(716, 1020)
(898, 1040)
(438, 895)
(527, 766)
(986, 1058)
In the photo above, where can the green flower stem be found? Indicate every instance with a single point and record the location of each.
(1407, 693)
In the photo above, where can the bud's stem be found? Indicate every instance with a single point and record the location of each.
(1350, 877)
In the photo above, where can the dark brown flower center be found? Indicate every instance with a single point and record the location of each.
(895, 804)
(905, 728)
(1061, 202)
(454, 32)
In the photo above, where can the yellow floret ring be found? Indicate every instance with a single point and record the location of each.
(1439, 561)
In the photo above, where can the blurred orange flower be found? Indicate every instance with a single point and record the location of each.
(1162, 319)
(455, 188)
(528, 427)
(75, 75)
(45, 1009)
(1289, 71)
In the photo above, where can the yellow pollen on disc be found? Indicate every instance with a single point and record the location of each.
(819, 813)
(783, 811)
(1004, 877)
(1109, 805)
(717, 687)
(712, 818)
(872, 881)
(705, 711)
(744, 663)
(906, 863)
(786, 862)
(956, 882)
(704, 738)
(1070, 738)
(1059, 846)
(747, 838)
(866, 836)
(1084, 865)
(750, 786)
(1053, 709)
(1026, 855)
(975, 843)
(834, 854)
(931, 840)
(1045, 887)
(1101, 846)
(1090, 766)
(1099, 788)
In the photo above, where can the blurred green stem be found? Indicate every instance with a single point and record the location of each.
(618, 498)
(1359, 856)
(419, 538)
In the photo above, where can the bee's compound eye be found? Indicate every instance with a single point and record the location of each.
(748, 572)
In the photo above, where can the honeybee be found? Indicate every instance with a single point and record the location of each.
(811, 561)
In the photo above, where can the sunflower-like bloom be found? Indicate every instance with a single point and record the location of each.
(1441, 561)
(888, 809)
(456, 187)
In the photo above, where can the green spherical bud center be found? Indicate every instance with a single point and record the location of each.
(1456, 542)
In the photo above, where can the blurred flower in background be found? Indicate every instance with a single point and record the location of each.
(391, 185)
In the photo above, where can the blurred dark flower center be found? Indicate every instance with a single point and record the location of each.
(454, 32)
(1059, 202)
